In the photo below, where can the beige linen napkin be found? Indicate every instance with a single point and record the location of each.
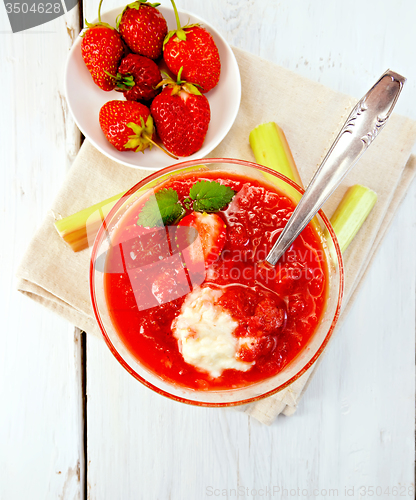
(311, 116)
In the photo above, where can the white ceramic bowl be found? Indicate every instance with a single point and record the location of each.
(85, 98)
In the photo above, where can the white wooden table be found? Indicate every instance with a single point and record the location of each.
(355, 425)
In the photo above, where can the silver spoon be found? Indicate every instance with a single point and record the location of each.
(365, 122)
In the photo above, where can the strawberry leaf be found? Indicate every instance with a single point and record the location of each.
(161, 209)
(210, 196)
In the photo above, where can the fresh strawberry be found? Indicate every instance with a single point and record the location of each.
(138, 77)
(194, 49)
(143, 28)
(102, 49)
(212, 233)
(182, 116)
(128, 125)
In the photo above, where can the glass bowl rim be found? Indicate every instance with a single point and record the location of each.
(172, 168)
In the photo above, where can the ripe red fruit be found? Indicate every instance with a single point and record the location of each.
(127, 125)
(182, 116)
(212, 233)
(194, 49)
(102, 49)
(138, 77)
(143, 28)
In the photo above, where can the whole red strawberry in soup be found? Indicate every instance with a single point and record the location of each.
(128, 125)
(143, 28)
(102, 49)
(182, 116)
(193, 48)
(212, 233)
(138, 77)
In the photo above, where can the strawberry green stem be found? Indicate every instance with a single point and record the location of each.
(179, 32)
(178, 23)
(99, 11)
(98, 23)
(159, 147)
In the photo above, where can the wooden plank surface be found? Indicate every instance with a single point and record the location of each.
(41, 441)
(355, 425)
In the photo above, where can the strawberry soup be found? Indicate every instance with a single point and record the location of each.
(186, 290)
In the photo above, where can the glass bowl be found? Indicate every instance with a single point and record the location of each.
(234, 396)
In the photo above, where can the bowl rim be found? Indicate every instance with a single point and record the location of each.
(190, 163)
(236, 89)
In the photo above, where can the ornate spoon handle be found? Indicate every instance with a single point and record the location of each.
(363, 125)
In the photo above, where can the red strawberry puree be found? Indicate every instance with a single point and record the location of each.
(269, 314)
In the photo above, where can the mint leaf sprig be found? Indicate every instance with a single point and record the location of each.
(161, 209)
(164, 207)
(209, 196)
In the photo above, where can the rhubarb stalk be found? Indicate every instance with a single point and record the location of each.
(78, 228)
(351, 213)
(271, 149)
